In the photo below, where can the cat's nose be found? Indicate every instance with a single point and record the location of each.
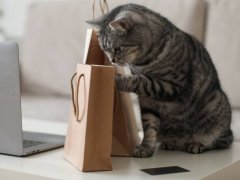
(113, 60)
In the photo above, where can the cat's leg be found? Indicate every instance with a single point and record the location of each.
(149, 87)
(200, 146)
(150, 127)
(204, 142)
(128, 83)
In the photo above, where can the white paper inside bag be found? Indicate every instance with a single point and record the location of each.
(87, 44)
(131, 108)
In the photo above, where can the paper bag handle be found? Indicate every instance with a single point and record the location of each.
(75, 102)
(103, 5)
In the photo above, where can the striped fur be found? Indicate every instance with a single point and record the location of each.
(182, 103)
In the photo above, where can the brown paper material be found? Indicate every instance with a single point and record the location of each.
(89, 136)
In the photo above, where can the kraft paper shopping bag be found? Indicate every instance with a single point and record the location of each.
(89, 136)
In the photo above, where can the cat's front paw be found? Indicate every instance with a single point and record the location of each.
(194, 148)
(142, 152)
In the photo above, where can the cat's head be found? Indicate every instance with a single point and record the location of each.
(123, 35)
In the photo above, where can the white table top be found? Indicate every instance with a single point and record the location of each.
(52, 165)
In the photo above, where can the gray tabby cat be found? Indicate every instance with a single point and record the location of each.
(182, 103)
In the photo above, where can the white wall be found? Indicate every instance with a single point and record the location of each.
(14, 17)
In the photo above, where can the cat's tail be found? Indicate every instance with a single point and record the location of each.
(224, 141)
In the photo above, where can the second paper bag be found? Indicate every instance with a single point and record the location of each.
(125, 130)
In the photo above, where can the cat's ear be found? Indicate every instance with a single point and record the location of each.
(120, 25)
(96, 23)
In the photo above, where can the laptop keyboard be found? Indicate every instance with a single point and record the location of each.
(28, 143)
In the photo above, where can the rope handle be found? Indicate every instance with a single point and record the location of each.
(75, 101)
(103, 6)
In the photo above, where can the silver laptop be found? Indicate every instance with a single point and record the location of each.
(13, 140)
